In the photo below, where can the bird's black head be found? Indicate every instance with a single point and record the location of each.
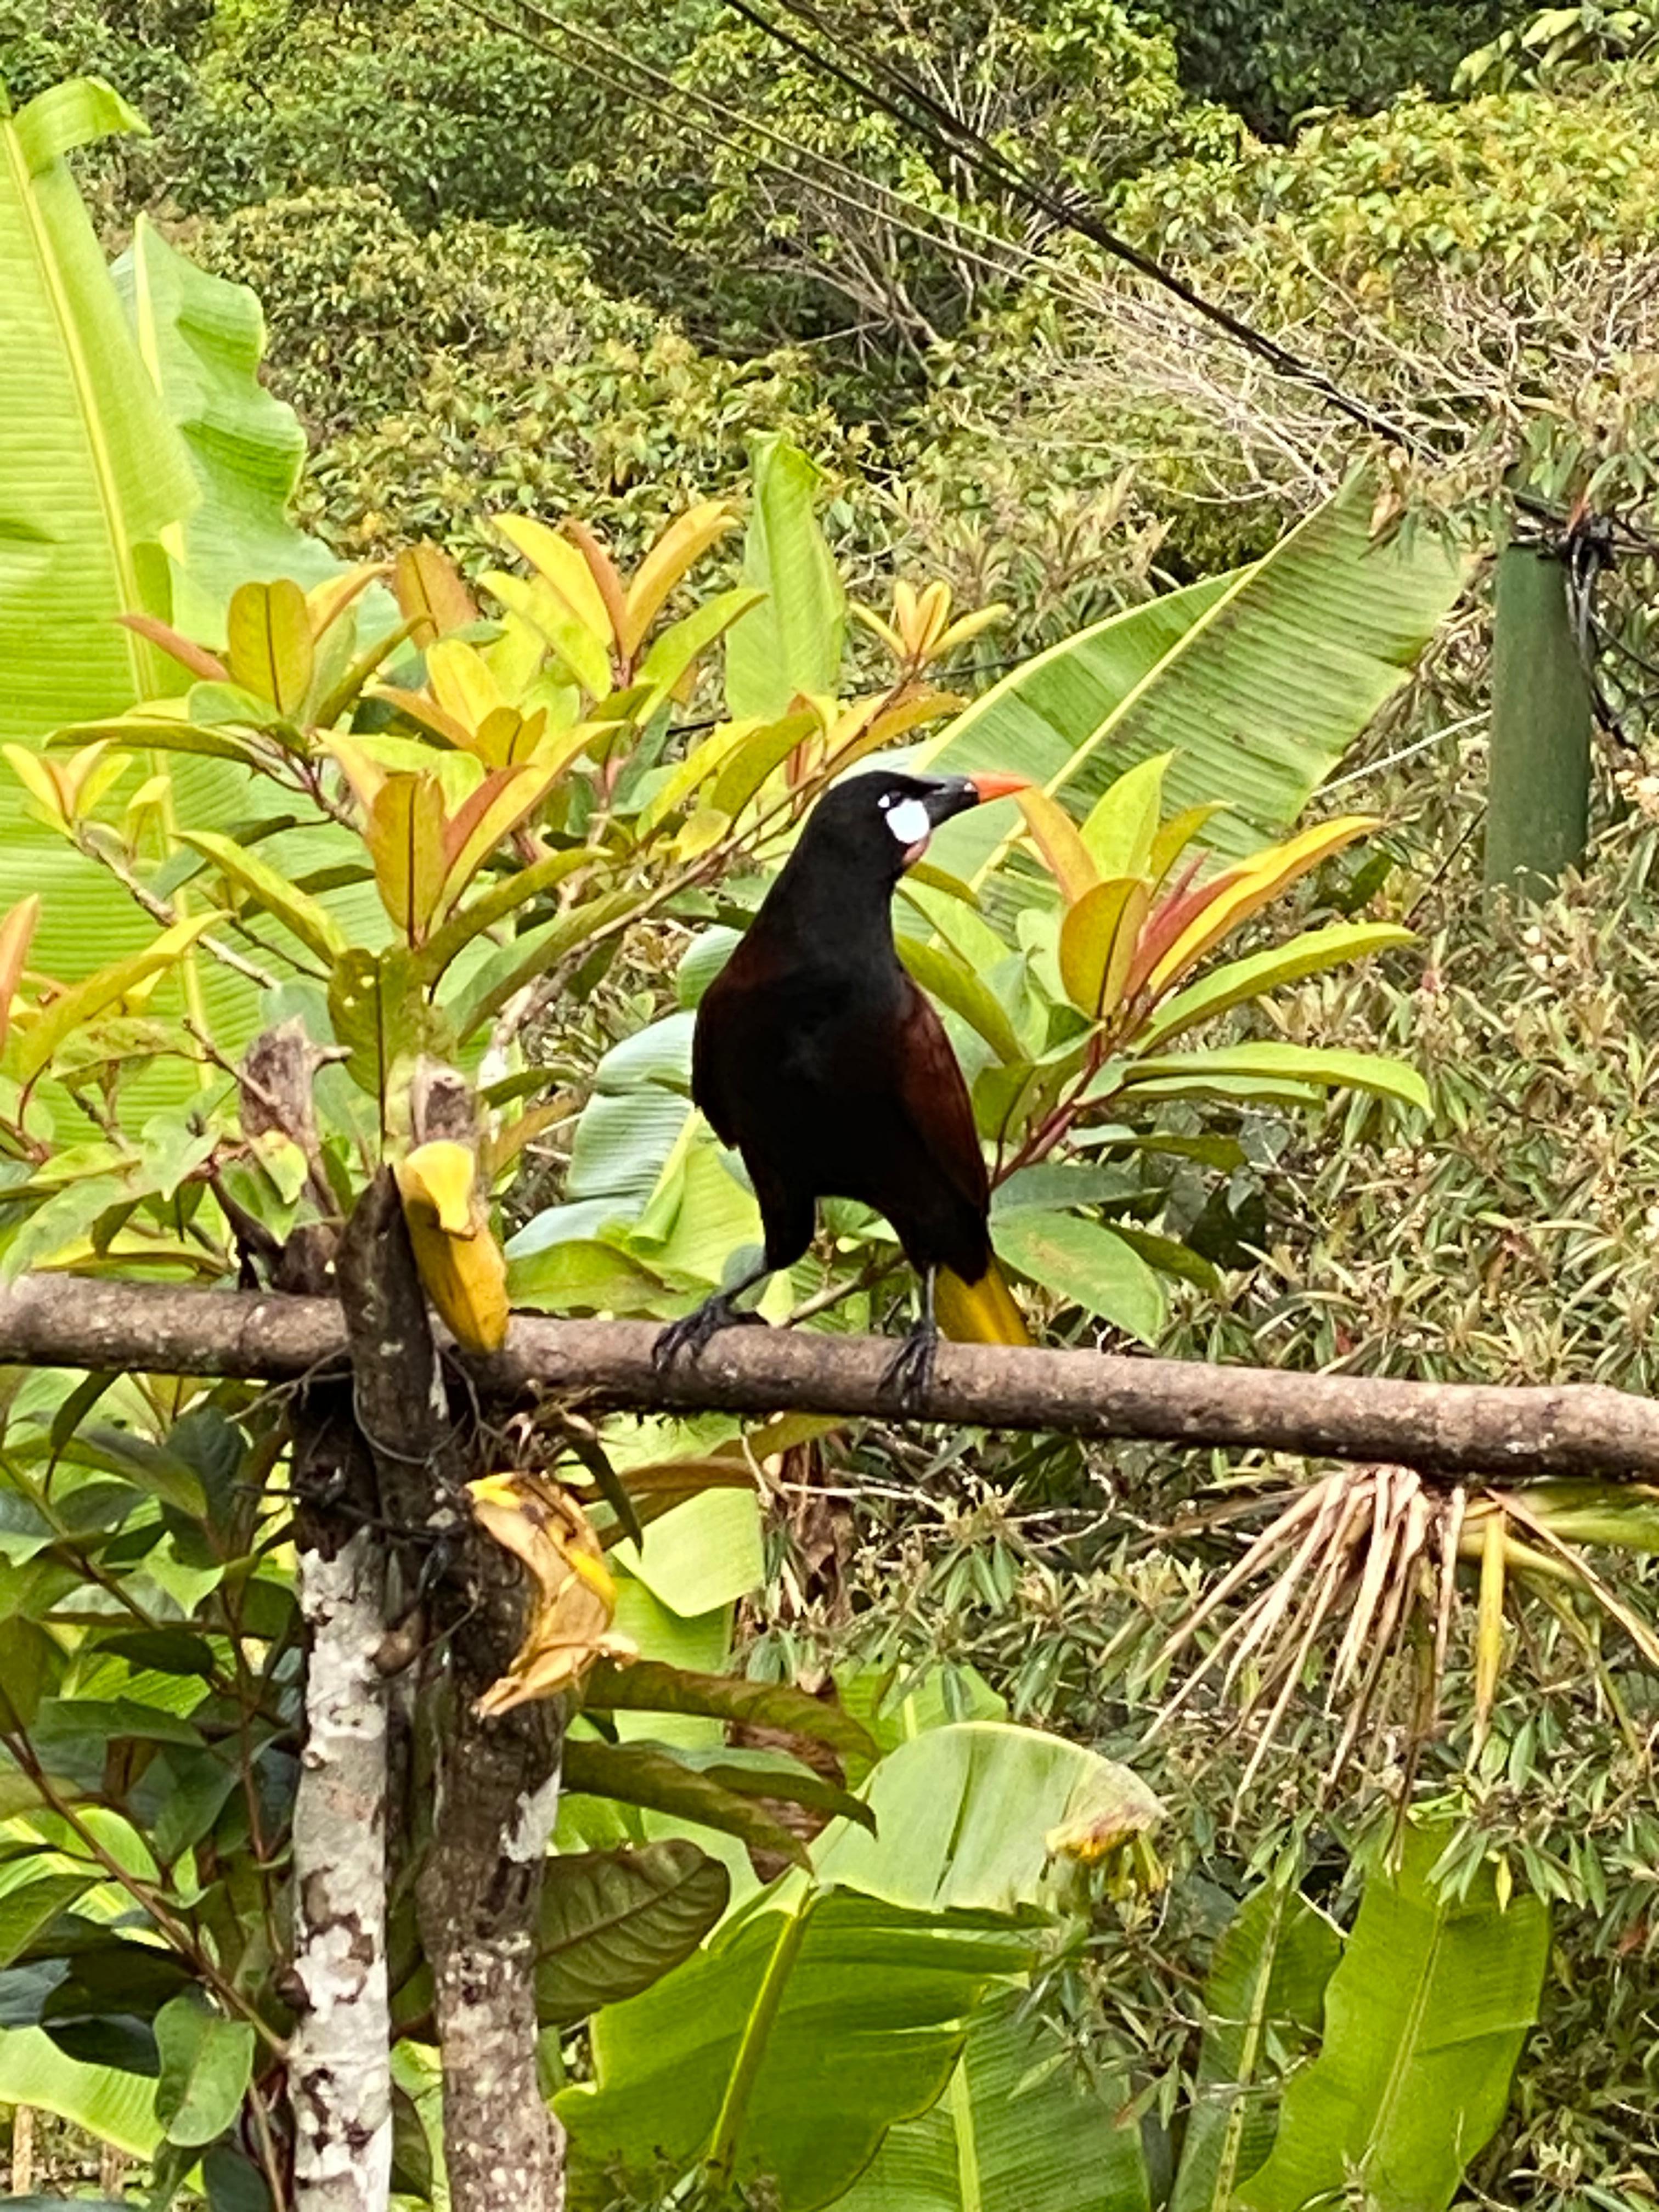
(878, 823)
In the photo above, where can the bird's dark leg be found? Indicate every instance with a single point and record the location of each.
(910, 1369)
(694, 1330)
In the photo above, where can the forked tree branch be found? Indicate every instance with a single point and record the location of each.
(1514, 1435)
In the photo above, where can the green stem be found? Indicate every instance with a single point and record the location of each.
(751, 2051)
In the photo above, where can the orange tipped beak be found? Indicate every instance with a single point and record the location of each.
(999, 786)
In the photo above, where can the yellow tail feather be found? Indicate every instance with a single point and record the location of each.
(979, 1313)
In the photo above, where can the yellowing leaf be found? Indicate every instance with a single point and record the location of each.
(362, 772)
(556, 751)
(495, 903)
(311, 922)
(1310, 954)
(40, 776)
(763, 751)
(30, 1049)
(427, 714)
(1120, 830)
(505, 737)
(65, 788)
(327, 601)
(679, 548)
(406, 838)
(584, 652)
(602, 569)
(968, 627)
(1098, 934)
(879, 627)
(459, 1261)
(269, 649)
(949, 978)
(1056, 837)
(1109, 1818)
(1259, 881)
(702, 831)
(575, 1596)
(432, 594)
(206, 667)
(703, 760)
(494, 811)
(566, 573)
(15, 932)
(859, 732)
(459, 680)
(1175, 835)
(1270, 1060)
(684, 643)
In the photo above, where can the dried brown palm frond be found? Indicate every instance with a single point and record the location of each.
(1366, 1560)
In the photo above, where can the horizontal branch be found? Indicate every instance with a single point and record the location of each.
(1438, 1427)
(1509, 1434)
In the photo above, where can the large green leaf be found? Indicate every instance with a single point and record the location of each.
(1424, 2018)
(649, 1686)
(92, 476)
(705, 1553)
(964, 1815)
(202, 338)
(206, 2063)
(1089, 1262)
(1014, 2132)
(1257, 683)
(779, 2055)
(791, 643)
(658, 1780)
(1261, 2010)
(93, 472)
(142, 467)
(1233, 1069)
(116, 2106)
(835, 2003)
(614, 1922)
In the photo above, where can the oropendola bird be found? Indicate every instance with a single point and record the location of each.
(818, 1058)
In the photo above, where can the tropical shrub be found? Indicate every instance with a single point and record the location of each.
(422, 830)
(1273, 60)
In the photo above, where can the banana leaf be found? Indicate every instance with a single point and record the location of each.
(202, 339)
(777, 2057)
(1424, 2018)
(1257, 682)
(1014, 2132)
(93, 475)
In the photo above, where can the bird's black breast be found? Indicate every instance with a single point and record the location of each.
(834, 1080)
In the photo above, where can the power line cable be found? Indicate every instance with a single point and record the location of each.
(956, 137)
(1002, 252)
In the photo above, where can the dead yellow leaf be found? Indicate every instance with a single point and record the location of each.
(575, 1598)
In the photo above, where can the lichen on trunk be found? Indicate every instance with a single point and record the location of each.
(478, 1892)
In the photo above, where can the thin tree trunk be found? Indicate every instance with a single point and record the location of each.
(478, 1892)
(339, 2071)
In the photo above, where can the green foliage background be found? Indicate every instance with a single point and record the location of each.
(491, 283)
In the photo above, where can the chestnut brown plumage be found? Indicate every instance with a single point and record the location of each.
(818, 1058)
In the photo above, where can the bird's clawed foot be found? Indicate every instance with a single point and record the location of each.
(910, 1369)
(694, 1329)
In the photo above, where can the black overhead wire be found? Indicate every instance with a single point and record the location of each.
(1585, 543)
(997, 261)
(951, 135)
